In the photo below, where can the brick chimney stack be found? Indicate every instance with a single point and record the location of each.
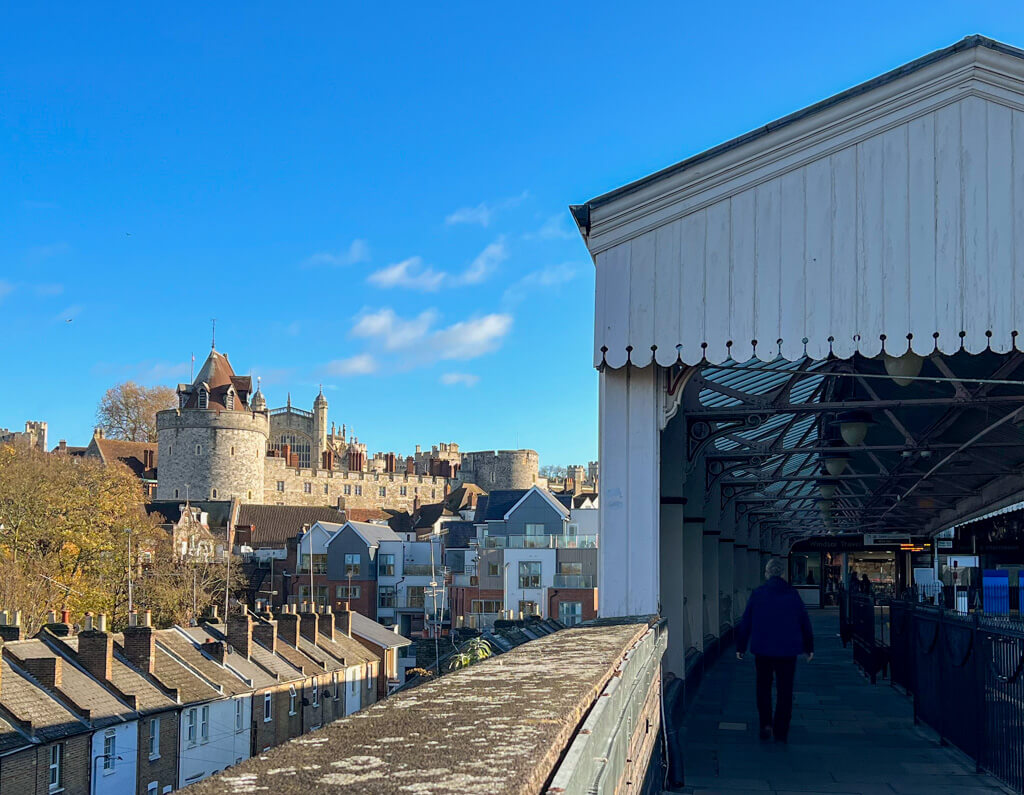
(48, 670)
(240, 631)
(215, 649)
(60, 627)
(140, 641)
(96, 647)
(326, 625)
(10, 625)
(343, 620)
(288, 626)
(309, 619)
(264, 632)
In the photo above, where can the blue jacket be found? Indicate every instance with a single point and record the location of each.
(775, 623)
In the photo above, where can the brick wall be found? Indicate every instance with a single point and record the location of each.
(586, 596)
(163, 769)
(28, 772)
(282, 726)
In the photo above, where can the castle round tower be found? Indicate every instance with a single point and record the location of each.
(213, 446)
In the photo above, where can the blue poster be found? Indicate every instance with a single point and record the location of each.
(996, 587)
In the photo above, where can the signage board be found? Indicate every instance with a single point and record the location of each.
(885, 539)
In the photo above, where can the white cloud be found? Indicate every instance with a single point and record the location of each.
(552, 276)
(410, 273)
(390, 331)
(358, 251)
(466, 339)
(46, 252)
(463, 379)
(484, 263)
(149, 371)
(361, 364)
(48, 289)
(554, 228)
(484, 212)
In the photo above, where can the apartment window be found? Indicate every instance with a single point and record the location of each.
(292, 696)
(316, 692)
(352, 564)
(386, 566)
(307, 488)
(486, 606)
(529, 608)
(56, 766)
(154, 738)
(403, 491)
(334, 685)
(268, 707)
(570, 613)
(493, 569)
(204, 399)
(386, 596)
(383, 491)
(572, 529)
(359, 491)
(152, 788)
(109, 750)
(534, 530)
(191, 724)
(280, 485)
(414, 595)
(570, 568)
(319, 563)
(348, 489)
(204, 724)
(319, 594)
(529, 574)
(348, 591)
(239, 715)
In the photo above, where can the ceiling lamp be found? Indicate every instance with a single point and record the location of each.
(825, 506)
(827, 488)
(903, 369)
(836, 463)
(853, 426)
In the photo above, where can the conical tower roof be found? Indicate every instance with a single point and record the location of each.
(218, 376)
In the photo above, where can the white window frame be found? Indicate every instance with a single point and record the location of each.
(534, 529)
(204, 399)
(192, 727)
(268, 707)
(204, 724)
(56, 767)
(154, 738)
(316, 692)
(152, 788)
(292, 697)
(109, 751)
(239, 715)
(334, 685)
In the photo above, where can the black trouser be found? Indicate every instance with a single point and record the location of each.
(783, 669)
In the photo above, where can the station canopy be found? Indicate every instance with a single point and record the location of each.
(844, 290)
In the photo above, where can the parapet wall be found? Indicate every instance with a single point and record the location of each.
(492, 470)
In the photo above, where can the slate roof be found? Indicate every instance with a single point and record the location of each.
(309, 665)
(11, 739)
(26, 701)
(400, 521)
(458, 534)
(429, 514)
(238, 665)
(372, 534)
(376, 633)
(218, 375)
(182, 647)
(495, 505)
(275, 525)
(131, 454)
(78, 688)
(276, 665)
(171, 674)
(148, 697)
(465, 496)
(169, 511)
(345, 648)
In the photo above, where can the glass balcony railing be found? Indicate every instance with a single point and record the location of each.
(574, 581)
(541, 542)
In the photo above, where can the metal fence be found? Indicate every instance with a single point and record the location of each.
(965, 672)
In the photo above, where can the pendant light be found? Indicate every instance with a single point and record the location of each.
(903, 369)
(853, 426)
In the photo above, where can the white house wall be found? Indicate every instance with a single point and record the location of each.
(225, 747)
(896, 213)
(122, 777)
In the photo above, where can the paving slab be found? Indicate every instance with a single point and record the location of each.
(848, 736)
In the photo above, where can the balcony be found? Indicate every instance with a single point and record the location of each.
(575, 581)
(424, 570)
(594, 731)
(541, 542)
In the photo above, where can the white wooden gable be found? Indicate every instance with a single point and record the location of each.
(892, 214)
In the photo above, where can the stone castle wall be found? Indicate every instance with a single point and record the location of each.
(218, 455)
(501, 469)
(284, 485)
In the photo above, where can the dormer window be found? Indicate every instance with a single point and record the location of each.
(229, 400)
(204, 399)
(182, 399)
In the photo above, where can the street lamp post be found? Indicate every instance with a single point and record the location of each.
(130, 605)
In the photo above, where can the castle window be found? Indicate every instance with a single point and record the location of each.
(359, 491)
(383, 491)
(280, 485)
(348, 489)
(307, 488)
(402, 490)
(175, 494)
(182, 399)
(326, 489)
(229, 401)
(433, 492)
(204, 399)
(199, 449)
(232, 451)
(250, 495)
(215, 494)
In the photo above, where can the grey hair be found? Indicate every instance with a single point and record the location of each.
(774, 568)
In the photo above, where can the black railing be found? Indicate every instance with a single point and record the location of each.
(868, 628)
(965, 672)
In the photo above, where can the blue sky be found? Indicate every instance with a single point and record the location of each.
(373, 198)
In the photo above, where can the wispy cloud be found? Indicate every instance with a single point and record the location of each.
(554, 228)
(552, 276)
(50, 289)
(414, 274)
(460, 379)
(411, 274)
(484, 213)
(419, 335)
(361, 364)
(357, 251)
(37, 253)
(148, 371)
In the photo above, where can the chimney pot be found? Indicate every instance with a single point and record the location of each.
(96, 647)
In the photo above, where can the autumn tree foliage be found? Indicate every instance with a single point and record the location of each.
(64, 533)
(128, 411)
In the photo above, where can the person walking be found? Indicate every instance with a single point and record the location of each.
(777, 628)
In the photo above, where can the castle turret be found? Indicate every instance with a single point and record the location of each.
(320, 428)
(259, 403)
(214, 444)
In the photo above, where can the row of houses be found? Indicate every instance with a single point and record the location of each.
(152, 710)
